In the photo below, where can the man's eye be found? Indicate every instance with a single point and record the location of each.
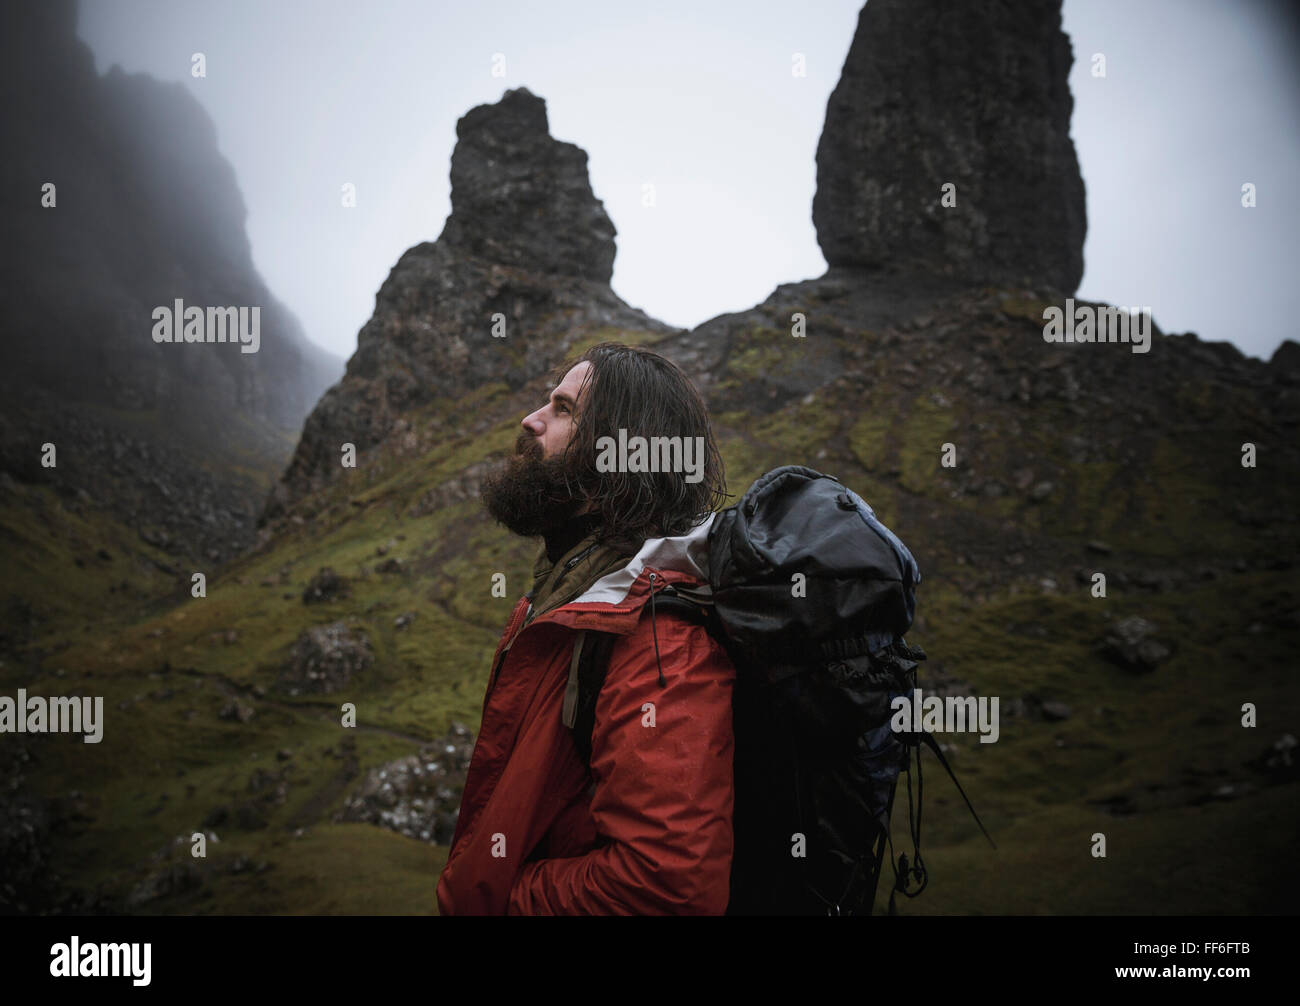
(561, 407)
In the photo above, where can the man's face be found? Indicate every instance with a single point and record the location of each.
(552, 424)
(532, 494)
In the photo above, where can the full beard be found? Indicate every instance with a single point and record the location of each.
(530, 494)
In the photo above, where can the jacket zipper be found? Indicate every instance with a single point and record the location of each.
(579, 557)
(496, 668)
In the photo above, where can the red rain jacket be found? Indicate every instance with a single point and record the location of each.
(649, 832)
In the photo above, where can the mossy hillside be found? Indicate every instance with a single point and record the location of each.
(1176, 861)
(1147, 492)
(335, 869)
(1153, 499)
(467, 582)
(1143, 740)
(1011, 781)
(802, 432)
(869, 441)
(54, 576)
(925, 428)
(1029, 309)
(424, 676)
(760, 351)
(985, 623)
(72, 570)
(137, 809)
(1144, 491)
(268, 616)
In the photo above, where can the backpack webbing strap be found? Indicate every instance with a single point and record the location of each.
(933, 745)
(569, 714)
(882, 839)
(587, 675)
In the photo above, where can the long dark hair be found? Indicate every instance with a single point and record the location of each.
(647, 395)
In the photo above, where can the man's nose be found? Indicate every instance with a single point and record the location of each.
(533, 423)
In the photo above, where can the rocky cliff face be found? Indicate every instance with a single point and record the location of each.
(526, 253)
(147, 211)
(970, 94)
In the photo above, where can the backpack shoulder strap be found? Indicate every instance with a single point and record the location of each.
(586, 676)
(591, 662)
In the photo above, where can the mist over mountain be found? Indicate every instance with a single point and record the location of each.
(143, 210)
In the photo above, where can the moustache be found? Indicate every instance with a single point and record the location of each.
(527, 446)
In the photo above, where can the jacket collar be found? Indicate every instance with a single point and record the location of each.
(604, 590)
(557, 583)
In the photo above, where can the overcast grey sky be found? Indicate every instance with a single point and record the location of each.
(697, 97)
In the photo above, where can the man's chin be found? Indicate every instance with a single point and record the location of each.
(516, 497)
(531, 525)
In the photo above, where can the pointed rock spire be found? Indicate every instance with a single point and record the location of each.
(975, 95)
(520, 197)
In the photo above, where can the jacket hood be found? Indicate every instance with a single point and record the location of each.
(686, 555)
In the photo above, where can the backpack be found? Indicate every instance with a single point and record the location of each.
(810, 596)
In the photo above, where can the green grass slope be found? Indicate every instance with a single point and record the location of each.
(1156, 761)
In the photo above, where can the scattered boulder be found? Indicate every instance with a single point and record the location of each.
(325, 658)
(1120, 805)
(1280, 760)
(237, 710)
(272, 786)
(418, 795)
(175, 878)
(1131, 643)
(1151, 579)
(326, 585)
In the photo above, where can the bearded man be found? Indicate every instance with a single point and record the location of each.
(643, 825)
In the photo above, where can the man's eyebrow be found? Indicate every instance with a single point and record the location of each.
(562, 397)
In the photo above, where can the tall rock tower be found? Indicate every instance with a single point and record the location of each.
(971, 99)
